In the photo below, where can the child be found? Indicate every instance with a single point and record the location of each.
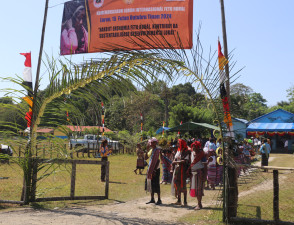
(211, 169)
(140, 159)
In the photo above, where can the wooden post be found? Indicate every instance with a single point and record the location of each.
(73, 179)
(107, 180)
(71, 154)
(41, 51)
(225, 50)
(276, 194)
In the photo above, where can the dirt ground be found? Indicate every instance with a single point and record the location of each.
(131, 212)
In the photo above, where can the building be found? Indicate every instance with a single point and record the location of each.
(239, 126)
(278, 126)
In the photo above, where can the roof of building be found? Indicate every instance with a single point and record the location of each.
(82, 128)
(278, 120)
(45, 130)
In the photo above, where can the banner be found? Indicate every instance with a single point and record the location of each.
(112, 25)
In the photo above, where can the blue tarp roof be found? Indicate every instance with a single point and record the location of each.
(159, 131)
(270, 127)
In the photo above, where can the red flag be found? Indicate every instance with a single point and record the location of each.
(28, 62)
(27, 73)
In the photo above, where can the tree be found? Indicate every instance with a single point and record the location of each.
(255, 106)
(290, 94)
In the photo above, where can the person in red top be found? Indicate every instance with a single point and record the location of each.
(196, 172)
(181, 164)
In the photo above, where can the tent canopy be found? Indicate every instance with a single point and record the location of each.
(159, 131)
(190, 126)
(270, 127)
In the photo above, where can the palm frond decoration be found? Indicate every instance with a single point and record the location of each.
(94, 80)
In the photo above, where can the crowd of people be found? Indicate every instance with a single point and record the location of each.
(194, 161)
(182, 161)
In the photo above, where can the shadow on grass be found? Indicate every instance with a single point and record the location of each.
(250, 211)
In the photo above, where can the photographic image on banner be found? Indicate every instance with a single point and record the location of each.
(111, 25)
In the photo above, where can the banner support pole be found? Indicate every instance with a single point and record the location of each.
(225, 44)
(41, 49)
(225, 149)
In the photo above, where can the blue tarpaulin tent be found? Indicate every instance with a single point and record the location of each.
(271, 124)
(159, 131)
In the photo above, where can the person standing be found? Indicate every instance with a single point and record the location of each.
(286, 145)
(153, 173)
(104, 152)
(196, 168)
(211, 169)
(140, 159)
(181, 165)
(264, 150)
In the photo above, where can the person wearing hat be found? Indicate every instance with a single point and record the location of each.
(152, 184)
(74, 34)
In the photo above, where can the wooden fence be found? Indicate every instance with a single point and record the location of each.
(276, 191)
(71, 195)
(42, 151)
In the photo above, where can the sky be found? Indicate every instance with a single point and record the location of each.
(260, 33)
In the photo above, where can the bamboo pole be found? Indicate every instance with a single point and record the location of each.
(225, 44)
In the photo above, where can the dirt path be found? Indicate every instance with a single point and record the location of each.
(132, 212)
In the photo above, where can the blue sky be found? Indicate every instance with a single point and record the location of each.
(260, 32)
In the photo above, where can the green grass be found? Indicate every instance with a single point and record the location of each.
(259, 204)
(125, 186)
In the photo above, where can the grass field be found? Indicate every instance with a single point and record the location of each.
(125, 186)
